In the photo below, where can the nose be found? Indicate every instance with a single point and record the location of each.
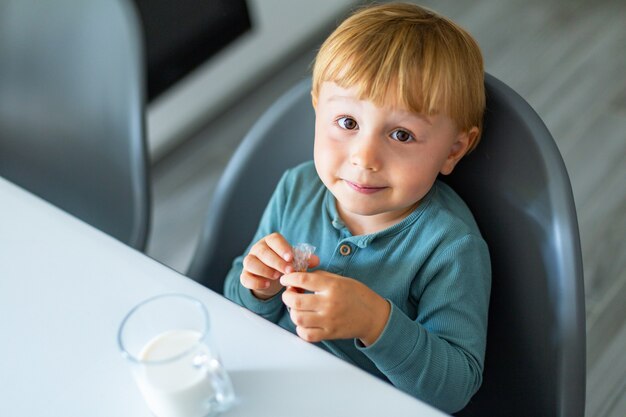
(365, 152)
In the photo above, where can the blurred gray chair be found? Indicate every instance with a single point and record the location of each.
(72, 110)
(516, 184)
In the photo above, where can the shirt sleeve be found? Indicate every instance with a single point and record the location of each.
(273, 308)
(438, 357)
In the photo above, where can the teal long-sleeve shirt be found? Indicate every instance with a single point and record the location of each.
(433, 267)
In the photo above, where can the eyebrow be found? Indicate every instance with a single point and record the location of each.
(423, 117)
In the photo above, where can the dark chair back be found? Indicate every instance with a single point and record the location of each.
(518, 189)
(280, 139)
(72, 110)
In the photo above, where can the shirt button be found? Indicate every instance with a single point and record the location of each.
(345, 249)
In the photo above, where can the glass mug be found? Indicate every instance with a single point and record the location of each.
(166, 340)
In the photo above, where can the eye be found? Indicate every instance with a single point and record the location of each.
(402, 135)
(347, 123)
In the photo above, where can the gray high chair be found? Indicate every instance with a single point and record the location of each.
(72, 110)
(516, 185)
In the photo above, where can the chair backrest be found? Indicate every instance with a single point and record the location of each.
(516, 184)
(72, 110)
(280, 139)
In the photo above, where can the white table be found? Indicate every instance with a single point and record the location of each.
(65, 287)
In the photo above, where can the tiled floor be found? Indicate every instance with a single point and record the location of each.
(568, 59)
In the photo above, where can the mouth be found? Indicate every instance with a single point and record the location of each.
(363, 188)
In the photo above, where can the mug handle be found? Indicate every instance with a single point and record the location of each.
(224, 393)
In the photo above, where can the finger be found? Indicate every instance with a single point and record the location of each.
(254, 266)
(306, 319)
(299, 301)
(279, 245)
(264, 253)
(253, 282)
(311, 334)
(296, 289)
(309, 281)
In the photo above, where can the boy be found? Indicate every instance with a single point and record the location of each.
(401, 283)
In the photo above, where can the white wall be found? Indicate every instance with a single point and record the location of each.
(279, 28)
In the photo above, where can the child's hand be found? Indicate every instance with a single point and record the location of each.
(266, 262)
(338, 308)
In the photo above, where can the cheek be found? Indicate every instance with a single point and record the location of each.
(415, 176)
(328, 159)
(318, 149)
(321, 156)
(325, 150)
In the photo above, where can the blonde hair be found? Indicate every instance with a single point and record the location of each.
(403, 54)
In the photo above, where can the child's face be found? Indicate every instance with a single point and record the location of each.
(379, 162)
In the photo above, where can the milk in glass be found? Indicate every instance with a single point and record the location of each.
(177, 384)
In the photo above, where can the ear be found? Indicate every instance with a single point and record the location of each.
(313, 100)
(459, 149)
